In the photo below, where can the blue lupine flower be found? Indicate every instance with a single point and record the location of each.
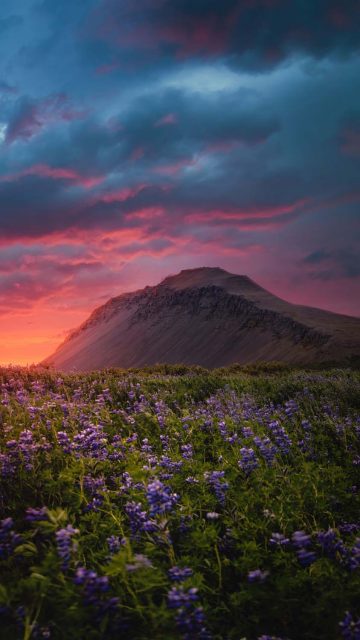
(160, 498)
(65, 544)
(178, 574)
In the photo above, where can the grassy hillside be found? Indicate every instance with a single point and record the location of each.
(180, 503)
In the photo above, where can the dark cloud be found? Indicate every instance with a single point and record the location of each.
(251, 33)
(338, 263)
(161, 134)
(30, 116)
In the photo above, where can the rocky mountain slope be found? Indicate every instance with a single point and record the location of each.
(209, 317)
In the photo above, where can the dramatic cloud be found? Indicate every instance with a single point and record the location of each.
(139, 138)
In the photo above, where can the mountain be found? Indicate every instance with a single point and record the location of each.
(209, 317)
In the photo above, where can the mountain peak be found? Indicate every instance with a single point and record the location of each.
(205, 276)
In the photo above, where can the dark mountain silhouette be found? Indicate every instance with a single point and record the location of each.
(208, 317)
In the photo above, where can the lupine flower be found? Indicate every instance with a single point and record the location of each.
(9, 540)
(190, 618)
(279, 540)
(212, 515)
(257, 575)
(306, 557)
(139, 518)
(301, 539)
(160, 498)
(350, 627)
(94, 587)
(187, 451)
(140, 562)
(219, 486)
(266, 448)
(178, 574)
(280, 436)
(115, 543)
(37, 514)
(65, 544)
(248, 461)
(178, 597)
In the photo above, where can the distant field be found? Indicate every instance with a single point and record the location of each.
(177, 502)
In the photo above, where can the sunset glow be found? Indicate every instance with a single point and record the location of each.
(141, 138)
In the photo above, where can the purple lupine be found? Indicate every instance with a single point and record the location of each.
(178, 574)
(96, 488)
(91, 442)
(354, 556)
(115, 543)
(94, 588)
(280, 436)
(37, 514)
(190, 618)
(257, 575)
(350, 627)
(218, 484)
(248, 461)
(331, 544)
(279, 540)
(139, 518)
(65, 544)
(140, 562)
(64, 441)
(9, 540)
(266, 448)
(171, 465)
(160, 497)
(302, 541)
(187, 451)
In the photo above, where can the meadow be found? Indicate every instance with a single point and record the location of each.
(179, 503)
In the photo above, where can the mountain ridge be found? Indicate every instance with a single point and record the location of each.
(205, 316)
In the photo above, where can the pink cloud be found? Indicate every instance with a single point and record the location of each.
(225, 216)
(170, 118)
(176, 167)
(56, 173)
(122, 194)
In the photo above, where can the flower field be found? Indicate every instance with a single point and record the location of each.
(177, 503)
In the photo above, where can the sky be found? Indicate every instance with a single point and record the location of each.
(142, 137)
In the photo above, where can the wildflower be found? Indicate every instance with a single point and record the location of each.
(65, 545)
(212, 515)
(248, 461)
(178, 597)
(139, 518)
(350, 628)
(35, 515)
(160, 498)
(115, 543)
(257, 575)
(178, 574)
(9, 540)
(140, 562)
(306, 557)
(190, 618)
(301, 539)
(279, 540)
(94, 589)
(219, 486)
